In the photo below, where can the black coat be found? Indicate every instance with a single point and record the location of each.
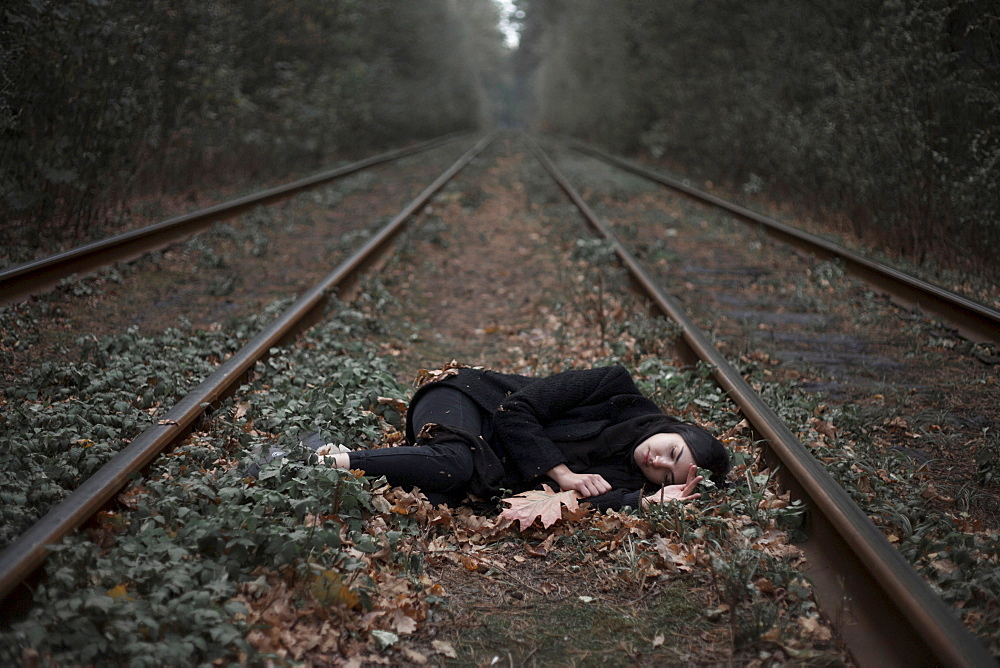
(591, 420)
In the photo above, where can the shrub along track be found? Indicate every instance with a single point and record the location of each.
(566, 313)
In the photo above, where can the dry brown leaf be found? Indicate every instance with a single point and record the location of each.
(400, 622)
(824, 427)
(676, 554)
(944, 565)
(414, 656)
(813, 627)
(473, 565)
(544, 504)
(445, 648)
(765, 586)
(542, 549)
(328, 588)
(397, 404)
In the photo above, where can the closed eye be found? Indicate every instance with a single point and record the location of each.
(675, 454)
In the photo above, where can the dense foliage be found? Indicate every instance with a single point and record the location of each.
(99, 99)
(197, 528)
(885, 113)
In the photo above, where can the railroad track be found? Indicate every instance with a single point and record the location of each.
(974, 320)
(895, 618)
(23, 280)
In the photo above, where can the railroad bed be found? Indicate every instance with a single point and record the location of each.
(497, 271)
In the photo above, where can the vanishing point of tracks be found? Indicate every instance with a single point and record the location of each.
(892, 616)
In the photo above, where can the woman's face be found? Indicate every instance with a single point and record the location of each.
(664, 459)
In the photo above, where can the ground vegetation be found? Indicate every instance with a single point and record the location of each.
(197, 562)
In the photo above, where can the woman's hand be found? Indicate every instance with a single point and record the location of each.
(682, 492)
(587, 484)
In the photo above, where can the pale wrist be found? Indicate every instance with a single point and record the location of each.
(558, 472)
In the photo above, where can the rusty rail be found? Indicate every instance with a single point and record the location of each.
(23, 280)
(29, 551)
(883, 609)
(973, 320)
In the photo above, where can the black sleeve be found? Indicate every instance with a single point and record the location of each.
(616, 499)
(518, 422)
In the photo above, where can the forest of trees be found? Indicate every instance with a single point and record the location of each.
(100, 100)
(882, 116)
(885, 114)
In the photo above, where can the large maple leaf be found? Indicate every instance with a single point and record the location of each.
(544, 504)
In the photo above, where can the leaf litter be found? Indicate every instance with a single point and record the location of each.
(329, 568)
(493, 569)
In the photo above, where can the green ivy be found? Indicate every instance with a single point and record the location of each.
(159, 588)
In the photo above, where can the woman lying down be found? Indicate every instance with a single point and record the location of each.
(590, 430)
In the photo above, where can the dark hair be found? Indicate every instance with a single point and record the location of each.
(708, 451)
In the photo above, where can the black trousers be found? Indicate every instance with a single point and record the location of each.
(441, 469)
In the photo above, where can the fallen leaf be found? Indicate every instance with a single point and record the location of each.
(812, 626)
(675, 554)
(401, 622)
(944, 565)
(118, 592)
(825, 428)
(444, 648)
(384, 639)
(542, 549)
(328, 588)
(543, 504)
(473, 565)
(414, 656)
(765, 586)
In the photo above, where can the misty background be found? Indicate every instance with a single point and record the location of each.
(881, 118)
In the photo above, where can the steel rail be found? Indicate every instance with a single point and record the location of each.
(29, 551)
(973, 320)
(883, 609)
(23, 280)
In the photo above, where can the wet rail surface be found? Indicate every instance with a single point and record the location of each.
(838, 526)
